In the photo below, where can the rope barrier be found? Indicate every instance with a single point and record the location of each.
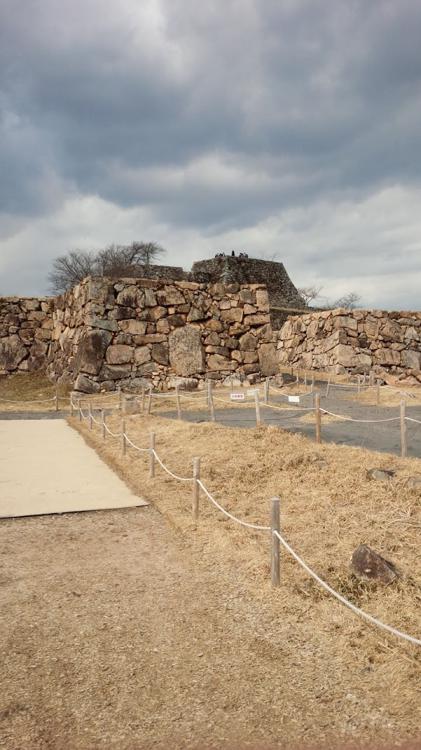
(175, 476)
(257, 527)
(30, 401)
(342, 599)
(254, 526)
(411, 419)
(362, 421)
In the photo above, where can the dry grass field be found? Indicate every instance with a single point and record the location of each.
(30, 392)
(345, 672)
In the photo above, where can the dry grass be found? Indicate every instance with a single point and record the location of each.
(27, 391)
(389, 396)
(329, 507)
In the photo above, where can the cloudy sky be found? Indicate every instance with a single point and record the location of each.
(287, 128)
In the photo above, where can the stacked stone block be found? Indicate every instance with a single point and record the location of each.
(357, 341)
(25, 334)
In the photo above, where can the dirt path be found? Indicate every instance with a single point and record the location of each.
(115, 637)
(115, 634)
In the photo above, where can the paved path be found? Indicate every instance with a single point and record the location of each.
(384, 437)
(46, 467)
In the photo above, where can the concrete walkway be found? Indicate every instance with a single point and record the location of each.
(46, 467)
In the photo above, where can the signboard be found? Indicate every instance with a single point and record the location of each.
(237, 396)
(252, 392)
(294, 399)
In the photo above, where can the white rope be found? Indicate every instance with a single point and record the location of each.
(29, 401)
(363, 421)
(410, 419)
(229, 515)
(232, 403)
(136, 447)
(175, 476)
(293, 410)
(342, 599)
(113, 434)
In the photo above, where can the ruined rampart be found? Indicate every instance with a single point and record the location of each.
(108, 332)
(353, 341)
(25, 333)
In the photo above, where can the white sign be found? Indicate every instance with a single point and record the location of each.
(252, 392)
(237, 396)
(294, 399)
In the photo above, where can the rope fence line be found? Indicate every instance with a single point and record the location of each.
(276, 536)
(343, 600)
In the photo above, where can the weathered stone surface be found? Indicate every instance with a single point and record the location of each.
(234, 314)
(411, 359)
(160, 353)
(106, 325)
(119, 354)
(248, 342)
(115, 372)
(91, 351)
(83, 384)
(382, 475)
(186, 353)
(369, 565)
(142, 354)
(128, 296)
(268, 359)
(217, 362)
(12, 352)
(134, 327)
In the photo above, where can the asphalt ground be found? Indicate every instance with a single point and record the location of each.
(377, 436)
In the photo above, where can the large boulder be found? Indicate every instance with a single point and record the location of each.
(268, 359)
(12, 352)
(91, 352)
(369, 565)
(186, 352)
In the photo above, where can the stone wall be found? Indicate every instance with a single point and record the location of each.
(357, 341)
(240, 270)
(25, 333)
(122, 332)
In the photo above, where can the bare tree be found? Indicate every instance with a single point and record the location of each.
(113, 261)
(309, 293)
(69, 269)
(349, 301)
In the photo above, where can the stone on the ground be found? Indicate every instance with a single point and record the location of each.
(414, 483)
(366, 563)
(381, 475)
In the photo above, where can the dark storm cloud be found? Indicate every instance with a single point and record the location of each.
(212, 116)
(327, 93)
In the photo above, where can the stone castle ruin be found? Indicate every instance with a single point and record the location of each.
(228, 316)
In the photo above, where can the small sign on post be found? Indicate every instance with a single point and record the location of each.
(293, 399)
(237, 396)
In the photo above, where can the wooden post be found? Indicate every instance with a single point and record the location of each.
(143, 399)
(123, 437)
(72, 408)
(103, 424)
(312, 383)
(378, 392)
(151, 455)
(148, 408)
(120, 399)
(305, 378)
(371, 378)
(318, 418)
(275, 544)
(56, 398)
(403, 429)
(359, 384)
(90, 416)
(196, 488)
(328, 386)
(210, 401)
(79, 408)
(257, 404)
(177, 396)
(266, 391)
